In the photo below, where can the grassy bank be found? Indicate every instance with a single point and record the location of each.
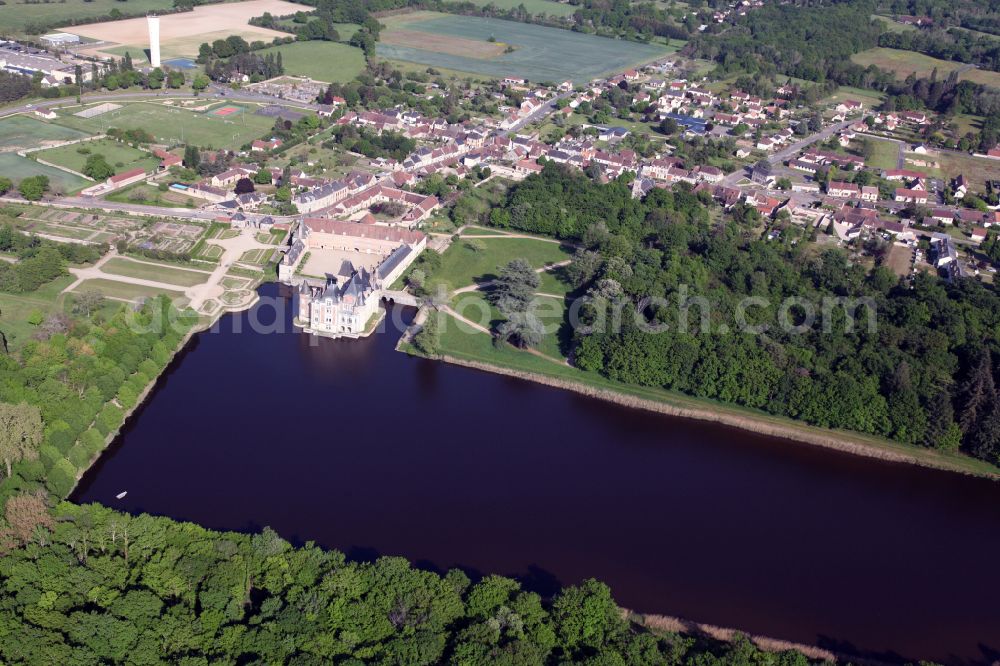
(461, 345)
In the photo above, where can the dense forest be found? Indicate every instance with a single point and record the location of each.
(88, 585)
(925, 373)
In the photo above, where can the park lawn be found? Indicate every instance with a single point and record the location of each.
(555, 281)
(121, 156)
(965, 123)
(259, 256)
(886, 155)
(15, 309)
(156, 273)
(466, 344)
(463, 265)
(18, 16)
(124, 291)
(16, 168)
(322, 61)
(173, 125)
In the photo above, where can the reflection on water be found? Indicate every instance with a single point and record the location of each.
(360, 448)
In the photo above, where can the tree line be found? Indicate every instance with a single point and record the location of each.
(925, 374)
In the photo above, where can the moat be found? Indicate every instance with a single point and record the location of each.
(361, 448)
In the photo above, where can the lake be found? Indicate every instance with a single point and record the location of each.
(364, 449)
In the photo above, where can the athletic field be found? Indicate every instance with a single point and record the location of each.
(539, 53)
(172, 125)
(20, 132)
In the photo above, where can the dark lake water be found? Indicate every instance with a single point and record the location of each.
(364, 449)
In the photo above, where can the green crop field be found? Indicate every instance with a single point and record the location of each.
(17, 16)
(175, 125)
(539, 53)
(533, 6)
(14, 167)
(322, 61)
(119, 155)
(26, 132)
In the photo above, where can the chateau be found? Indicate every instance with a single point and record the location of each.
(344, 303)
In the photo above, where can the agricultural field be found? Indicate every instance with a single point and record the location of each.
(463, 43)
(181, 34)
(173, 125)
(16, 168)
(24, 132)
(148, 270)
(533, 6)
(17, 16)
(331, 62)
(904, 63)
(121, 156)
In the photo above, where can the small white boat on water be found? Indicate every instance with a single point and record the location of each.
(121, 494)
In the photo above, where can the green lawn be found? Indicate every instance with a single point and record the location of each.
(124, 291)
(533, 6)
(323, 61)
(463, 265)
(150, 195)
(17, 168)
(17, 16)
(15, 309)
(121, 156)
(157, 273)
(886, 155)
(175, 125)
(26, 132)
(463, 343)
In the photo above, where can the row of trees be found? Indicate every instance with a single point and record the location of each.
(925, 373)
(85, 584)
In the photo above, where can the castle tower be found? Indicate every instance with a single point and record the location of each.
(154, 39)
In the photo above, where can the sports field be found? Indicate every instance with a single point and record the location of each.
(173, 125)
(181, 34)
(119, 155)
(539, 53)
(17, 168)
(17, 16)
(904, 63)
(321, 61)
(19, 132)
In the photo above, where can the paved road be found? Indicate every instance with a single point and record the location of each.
(792, 149)
(539, 114)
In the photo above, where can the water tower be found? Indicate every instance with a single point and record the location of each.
(154, 39)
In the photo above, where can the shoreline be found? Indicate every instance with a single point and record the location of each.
(799, 433)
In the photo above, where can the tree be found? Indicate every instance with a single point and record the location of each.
(155, 79)
(200, 83)
(87, 303)
(5, 185)
(20, 433)
(192, 158)
(26, 514)
(514, 290)
(33, 187)
(97, 167)
(262, 177)
(521, 329)
(668, 126)
(175, 79)
(244, 186)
